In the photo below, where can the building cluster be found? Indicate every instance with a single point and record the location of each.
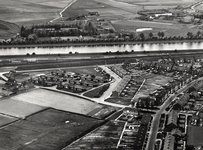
(182, 73)
(159, 96)
(71, 81)
(185, 118)
(184, 15)
(141, 137)
(135, 134)
(128, 86)
(175, 131)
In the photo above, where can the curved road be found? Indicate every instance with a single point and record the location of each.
(97, 100)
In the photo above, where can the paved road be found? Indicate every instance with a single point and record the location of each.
(156, 118)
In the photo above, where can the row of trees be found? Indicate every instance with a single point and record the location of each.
(101, 40)
(53, 30)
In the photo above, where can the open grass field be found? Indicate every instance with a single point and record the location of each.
(5, 120)
(18, 109)
(194, 135)
(57, 100)
(48, 130)
(152, 83)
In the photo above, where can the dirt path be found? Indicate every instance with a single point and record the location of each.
(60, 14)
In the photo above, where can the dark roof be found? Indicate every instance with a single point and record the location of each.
(145, 119)
(140, 137)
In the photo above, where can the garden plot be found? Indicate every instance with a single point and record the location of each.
(18, 109)
(4, 120)
(58, 100)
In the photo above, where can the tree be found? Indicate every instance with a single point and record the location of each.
(142, 36)
(189, 35)
(150, 35)
(160, 34)
(199, 34)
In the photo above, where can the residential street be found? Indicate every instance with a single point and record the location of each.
(156, 117)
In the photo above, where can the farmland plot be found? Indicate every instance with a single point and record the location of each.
(48, 130)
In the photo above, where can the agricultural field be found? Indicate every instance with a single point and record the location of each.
(47, 130)
(8, 29)
(30, 12)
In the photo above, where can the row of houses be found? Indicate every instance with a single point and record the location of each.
(180, 64)
(175, 128)
(158, 97)
(119, 70)
(140, 139)
(123, 84)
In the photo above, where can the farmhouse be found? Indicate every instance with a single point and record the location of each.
(93, 14)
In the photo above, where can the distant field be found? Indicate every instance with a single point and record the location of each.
(145, 24)
(57, 100)
(29, 12)
(200, 7)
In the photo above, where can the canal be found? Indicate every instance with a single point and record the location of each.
(98, 49)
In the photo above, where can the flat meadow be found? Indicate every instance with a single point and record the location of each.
(58, 101)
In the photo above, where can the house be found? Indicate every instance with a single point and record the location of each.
(181, 102)
(119, 70)
(79, 88)
(122, 84)
(169, 142)
(161, 95)
(172, 121)
(140, 138)
(145, 102)
(198, 85)
(93, 14)
(176, 133)
(146, 118)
